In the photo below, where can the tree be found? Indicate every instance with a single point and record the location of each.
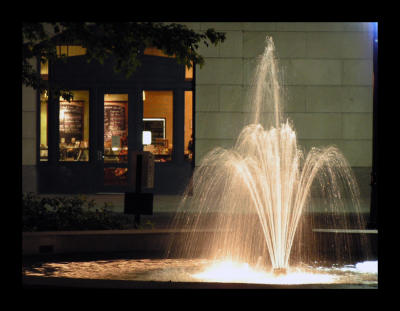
(123, 41)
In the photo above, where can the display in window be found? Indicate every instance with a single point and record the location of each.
(116, 128)
(74, 127)
(189, 142)
(44, 150)
(158, 124)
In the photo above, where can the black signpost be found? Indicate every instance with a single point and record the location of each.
(138, 203)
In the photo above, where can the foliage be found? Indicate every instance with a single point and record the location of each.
(61, 213)
(124, 41)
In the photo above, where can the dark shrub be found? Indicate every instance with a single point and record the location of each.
(61, 213)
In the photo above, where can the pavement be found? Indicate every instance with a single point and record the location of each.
(32, 282)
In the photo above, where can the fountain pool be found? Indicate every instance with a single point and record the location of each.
(200, 273)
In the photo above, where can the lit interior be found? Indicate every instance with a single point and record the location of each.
(158, 119)
(74, 127)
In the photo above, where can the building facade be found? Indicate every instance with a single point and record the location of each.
(328, 81)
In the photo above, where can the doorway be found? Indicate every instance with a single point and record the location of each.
(115, 150)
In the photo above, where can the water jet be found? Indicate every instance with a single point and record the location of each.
(279, 271)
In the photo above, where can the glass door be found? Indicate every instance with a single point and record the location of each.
(115, 142)
(158, 124)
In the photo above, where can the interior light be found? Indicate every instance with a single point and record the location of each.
(146, 137)
(144, 95)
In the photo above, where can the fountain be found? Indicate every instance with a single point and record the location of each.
(265, 172)
(245, 210)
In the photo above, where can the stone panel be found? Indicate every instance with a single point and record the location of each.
(357, 26)
(339, 45)
(289, 44)
(357, 72)
(254, 43)
(249, 67)
(258, 26)
(28, 99)
(324, 99)
(28, 151)
(357, 45)
(309, 26)
(218, 125)
(312, 72)
(357, 126)
(231, 98)
(29, 124)
(208, 51)
(207, 98)
(203, 146)
(220, 71)
(233, 45)
(324, 45)
(294, 99)
(358, 152)
(317, 125)
(357, 99)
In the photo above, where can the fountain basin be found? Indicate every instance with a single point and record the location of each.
(111, 259)
(193, 273)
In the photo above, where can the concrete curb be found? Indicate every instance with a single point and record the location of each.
(54, 283)
(99, 241)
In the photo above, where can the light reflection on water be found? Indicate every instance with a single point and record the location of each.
(203, 270)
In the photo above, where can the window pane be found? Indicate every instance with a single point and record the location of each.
(158, 124)
(74, 127)
(189, 125)
(43, 126)
(70, 50)
(189, 72)
(116, 128)
(44, 70)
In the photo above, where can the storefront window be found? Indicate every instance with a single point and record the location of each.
(116, 139)
(115, 128)
(74, 127)
(158, 124)
(189, 148)
(44, 70)
(44, 148)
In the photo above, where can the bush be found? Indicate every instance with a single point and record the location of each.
(61, 213)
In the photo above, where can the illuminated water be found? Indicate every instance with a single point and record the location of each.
(204, 270)
(268, 174)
